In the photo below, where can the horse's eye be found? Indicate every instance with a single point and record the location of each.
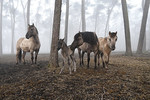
(109, 39)
(116, 40)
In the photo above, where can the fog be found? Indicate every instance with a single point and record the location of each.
(41, 14)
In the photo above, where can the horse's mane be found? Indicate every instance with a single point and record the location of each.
(89, 37)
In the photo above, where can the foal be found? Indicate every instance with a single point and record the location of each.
(67, 54)
(107, 45)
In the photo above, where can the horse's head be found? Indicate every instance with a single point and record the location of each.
(112, 38)
(60, 44)
(32, 31)
(78, 41)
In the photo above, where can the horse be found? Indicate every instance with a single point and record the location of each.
(86, 37)
(29, 44)
(87, 48)
(107, 45)
(66, 53)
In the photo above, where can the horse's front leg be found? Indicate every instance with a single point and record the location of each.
(32, 56)
(88, 56)
(36, 53)
(105, 58)
(62, 66)
(23, 57)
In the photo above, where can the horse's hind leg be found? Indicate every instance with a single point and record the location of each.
(23, 57)
(36, 53)
(79, 52)
(95, 59)
(82, 57)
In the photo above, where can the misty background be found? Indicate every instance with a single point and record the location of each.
(96, 14)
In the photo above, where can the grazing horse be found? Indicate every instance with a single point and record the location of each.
(107, 45)
(66, 53)
(29, 44)
(86, 37)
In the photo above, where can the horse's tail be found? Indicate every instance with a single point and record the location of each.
(20, 55)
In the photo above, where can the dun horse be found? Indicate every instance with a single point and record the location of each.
(87, 48)
(29, 44)
(66, 53)
(85, 37)
(107, 45)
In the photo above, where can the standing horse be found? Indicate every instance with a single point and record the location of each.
(66, 53)
(87, 48)
(107, 45)
(87, 37)
(29, 44)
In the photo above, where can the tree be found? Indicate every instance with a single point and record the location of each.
(28, 12)
(1, 11)
(24, 15)
(83, 16)
(127, 28)
(13, 21)
(108, 17)
(66, 20)
(143, 27)
(53, 61)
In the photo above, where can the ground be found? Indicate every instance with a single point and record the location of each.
(126, 78)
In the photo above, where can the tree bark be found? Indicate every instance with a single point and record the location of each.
(1, 12)
(55, 34)
(66, 20)
(127, 28)
(83, 16)
(143, 27)
(28, 12)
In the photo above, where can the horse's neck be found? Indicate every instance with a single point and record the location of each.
(36, 39)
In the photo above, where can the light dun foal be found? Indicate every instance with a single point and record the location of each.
(67, 55)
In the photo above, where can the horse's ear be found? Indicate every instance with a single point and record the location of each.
(33, 24)
(63, 39)
(116, 32)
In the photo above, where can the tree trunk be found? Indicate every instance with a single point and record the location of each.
(127, 28)
(66, 20)
(28, 12)
(1, 10)
(55, 34)
(13, 21)
(83, 16)
(24, 16)
(143, 27)
(108, 18)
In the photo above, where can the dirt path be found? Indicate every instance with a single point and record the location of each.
(126, 78)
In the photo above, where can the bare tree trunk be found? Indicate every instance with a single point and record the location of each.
(13, 21)
(108, 18)
(144, 44)
(1, 11)
(28, 12)
(143, 27)
(83, 16)
(55, 35)
(127, 28)
(24, 15)
(66, 20)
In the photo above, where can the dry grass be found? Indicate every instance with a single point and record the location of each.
(125, 78)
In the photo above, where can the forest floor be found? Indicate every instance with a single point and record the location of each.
(126, 78)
